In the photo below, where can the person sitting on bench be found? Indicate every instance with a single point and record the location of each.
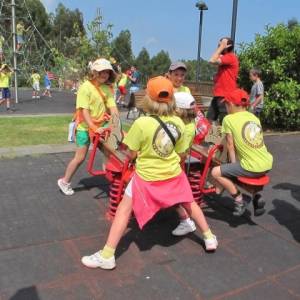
(248, 154)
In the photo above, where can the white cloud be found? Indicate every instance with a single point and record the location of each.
(151, 40)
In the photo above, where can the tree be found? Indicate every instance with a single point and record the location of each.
(63, 22)
(121, 49)
(207, 70)
(277, 54)
(143, 64)
(160, 63)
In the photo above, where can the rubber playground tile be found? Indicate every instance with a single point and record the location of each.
(30, 266)
(38, 212)
(266, 290)
(74, 292)
(290, 280)
(266, 253)
(152, 282)
(215, 273)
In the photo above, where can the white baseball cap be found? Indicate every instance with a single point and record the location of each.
(101, 64)
(184, 100)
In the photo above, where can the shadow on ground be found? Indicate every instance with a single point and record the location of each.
(293, 188)
(289, 219)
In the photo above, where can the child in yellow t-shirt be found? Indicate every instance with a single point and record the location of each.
(35, 81)
(186, 110)
(94, 99)
(156, 141)
(248, 154)
(176, 74)
(5, 75)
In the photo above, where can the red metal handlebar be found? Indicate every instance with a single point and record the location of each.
(97, 139)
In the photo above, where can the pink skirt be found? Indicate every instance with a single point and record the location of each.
(148, 197)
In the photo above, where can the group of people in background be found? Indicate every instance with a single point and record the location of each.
(127, 83)
(225, 81)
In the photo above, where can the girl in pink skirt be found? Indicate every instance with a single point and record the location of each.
(156, 141)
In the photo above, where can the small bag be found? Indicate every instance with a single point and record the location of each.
(165, 128)
(71, 133)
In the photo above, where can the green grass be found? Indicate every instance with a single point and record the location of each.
(25, 131)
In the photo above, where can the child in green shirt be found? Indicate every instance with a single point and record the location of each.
(248, 154)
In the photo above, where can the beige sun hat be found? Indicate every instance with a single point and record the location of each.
(101, 64)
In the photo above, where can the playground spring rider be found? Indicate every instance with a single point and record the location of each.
(118, 169)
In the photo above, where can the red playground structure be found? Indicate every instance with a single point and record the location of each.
(118, 170)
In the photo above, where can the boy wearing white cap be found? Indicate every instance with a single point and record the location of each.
(186, 110)
(94, 98)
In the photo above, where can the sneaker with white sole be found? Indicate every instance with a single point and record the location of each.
(97, 261)
(65, 187)
(211, 244)
(184, 227)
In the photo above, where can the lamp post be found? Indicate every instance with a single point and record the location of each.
(233, 21)
(201, 6)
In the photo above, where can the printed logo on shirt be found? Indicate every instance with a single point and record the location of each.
(252, 134)
(161, 143)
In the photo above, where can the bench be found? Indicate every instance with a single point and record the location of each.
(136, 101)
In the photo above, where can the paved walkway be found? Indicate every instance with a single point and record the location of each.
(44, 234)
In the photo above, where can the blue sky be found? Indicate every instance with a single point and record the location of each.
(172, 25)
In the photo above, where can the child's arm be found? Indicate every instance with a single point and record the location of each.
(257, 101)
(230, 147)
(114, 111)
(88, 120)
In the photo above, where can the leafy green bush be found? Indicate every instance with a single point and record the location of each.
(282, 106)
(277, 54)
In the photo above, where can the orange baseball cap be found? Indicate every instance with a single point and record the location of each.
(238, 97)
(160, 89)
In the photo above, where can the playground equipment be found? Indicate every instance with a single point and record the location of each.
(118, 169)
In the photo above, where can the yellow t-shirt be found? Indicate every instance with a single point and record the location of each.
(89, 98)
(124, 80)
(1, 41)
(35, 78)
(189, 133)
(20, 29)
(4, 79)
(248, 139)
(182, 89)
(157, 158)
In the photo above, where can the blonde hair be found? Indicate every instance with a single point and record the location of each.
(186, 115)
(111, 79)
(159, 108)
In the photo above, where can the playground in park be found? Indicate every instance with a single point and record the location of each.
(103, 159)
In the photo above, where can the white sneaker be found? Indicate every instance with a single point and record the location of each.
(211, 244)
(65, 187)
(184, 227)
(97, 261)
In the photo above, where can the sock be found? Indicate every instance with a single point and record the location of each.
(107, 252)
(208, 234)
(187, 220)
(238, 197)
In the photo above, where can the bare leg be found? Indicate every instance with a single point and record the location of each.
(196, 213)
(7, 103)
(120, 222)
(74, 164)
(182, 213)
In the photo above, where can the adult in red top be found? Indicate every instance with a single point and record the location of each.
(225, 80)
